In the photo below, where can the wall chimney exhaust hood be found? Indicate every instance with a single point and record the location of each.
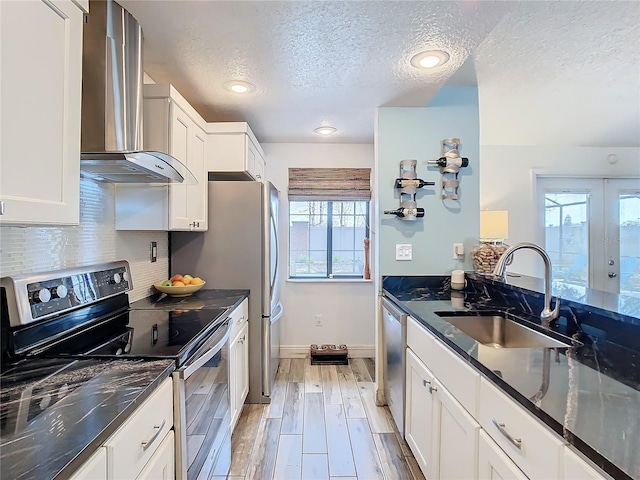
(112, 94)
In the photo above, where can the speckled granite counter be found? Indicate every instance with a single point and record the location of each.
(593, 398)
(55, 413)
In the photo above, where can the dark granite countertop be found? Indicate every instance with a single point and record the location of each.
(55, 413)
(593, 397)
(205, 298)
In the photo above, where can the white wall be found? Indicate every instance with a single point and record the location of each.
(95, 240)
(347, 308)
(509, 166)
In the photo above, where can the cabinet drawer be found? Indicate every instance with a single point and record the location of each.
(133, 444)
(460, 378)
(239, 317)
(540, 450)
(420, 341)
(577, 467)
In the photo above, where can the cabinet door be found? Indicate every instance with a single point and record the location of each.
(457, 444)
(243, 367)
(576, 468)
(197, 194)
(93, 469)
(493, 463)
(162, 465)
(254, 162)
(239, 366)
(419, 426)
(41, 88)
(181, 127)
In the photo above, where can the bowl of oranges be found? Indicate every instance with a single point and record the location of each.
(180, 285)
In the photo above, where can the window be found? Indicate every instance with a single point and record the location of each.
(326, 238)
(328, 222)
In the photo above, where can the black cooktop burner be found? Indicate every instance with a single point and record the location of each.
(145, 334)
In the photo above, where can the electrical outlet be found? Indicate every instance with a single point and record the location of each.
(153, 251)
(458, 251)
(404, 251)
(319, 320)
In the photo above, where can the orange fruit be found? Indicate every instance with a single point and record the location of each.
(176, 278)
(186, 281)
(196, 281)
(177, 283)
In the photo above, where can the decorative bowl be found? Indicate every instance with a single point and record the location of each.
(178, 291)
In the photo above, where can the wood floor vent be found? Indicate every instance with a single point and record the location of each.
(327, 354)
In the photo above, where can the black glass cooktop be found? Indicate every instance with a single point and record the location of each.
(145, 334)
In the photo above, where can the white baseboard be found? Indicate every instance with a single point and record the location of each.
(302, 351)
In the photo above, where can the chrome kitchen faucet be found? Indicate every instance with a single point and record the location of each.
(547, 315)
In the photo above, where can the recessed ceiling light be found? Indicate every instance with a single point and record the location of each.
(325, 131)
(238, 86)
(430, 59)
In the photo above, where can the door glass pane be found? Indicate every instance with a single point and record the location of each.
(566, 222)
(629, 221)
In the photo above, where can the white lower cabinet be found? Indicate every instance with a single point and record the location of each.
(143, 447)
(440, 432)
(418, 423)
(93, 469)
(239, 378)
(493, 463)
(459, 425)
(457, 437)
(162, 464)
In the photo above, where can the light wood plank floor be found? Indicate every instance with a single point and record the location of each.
(322, 424)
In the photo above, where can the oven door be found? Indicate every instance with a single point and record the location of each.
(201, 410)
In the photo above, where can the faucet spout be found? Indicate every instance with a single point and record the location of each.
(548, 314)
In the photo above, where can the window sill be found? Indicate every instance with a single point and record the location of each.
(329, 280)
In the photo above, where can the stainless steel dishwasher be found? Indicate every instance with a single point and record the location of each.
(394, 331)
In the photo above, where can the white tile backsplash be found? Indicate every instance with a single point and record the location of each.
(27, 249)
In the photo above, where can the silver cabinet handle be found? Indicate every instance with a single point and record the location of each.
(517, 442)
(241, 340)
(148, 443)
(1, 208)
(612, 275)
(427, 383)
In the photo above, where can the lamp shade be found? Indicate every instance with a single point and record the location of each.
(494, 224)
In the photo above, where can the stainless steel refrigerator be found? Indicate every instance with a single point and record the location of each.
(240, 251)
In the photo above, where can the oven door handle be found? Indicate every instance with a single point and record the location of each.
(207, 351)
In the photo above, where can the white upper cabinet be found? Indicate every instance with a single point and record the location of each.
(41, 88)
(234, 152)
(171, 126)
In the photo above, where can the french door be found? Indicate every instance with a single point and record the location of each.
(591, 230)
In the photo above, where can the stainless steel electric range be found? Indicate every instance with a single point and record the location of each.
(84, 313)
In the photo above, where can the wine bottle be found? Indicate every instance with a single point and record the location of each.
(412, 182)
(406, 212)
(448, 162)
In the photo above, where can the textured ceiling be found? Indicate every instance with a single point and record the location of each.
(326, 62)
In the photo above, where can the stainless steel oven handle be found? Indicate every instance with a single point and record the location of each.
(206, 352)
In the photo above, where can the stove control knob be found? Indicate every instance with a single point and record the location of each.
(117, 278)
(59, 292)
(125, 275)
(41, 296)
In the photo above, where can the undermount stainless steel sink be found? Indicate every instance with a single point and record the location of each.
(498, 331)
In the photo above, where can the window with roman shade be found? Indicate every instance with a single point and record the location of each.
(328, 221)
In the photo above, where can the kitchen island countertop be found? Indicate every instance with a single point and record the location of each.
(593, 398)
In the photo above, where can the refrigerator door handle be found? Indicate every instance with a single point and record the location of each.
(266, 356)
(276, 316)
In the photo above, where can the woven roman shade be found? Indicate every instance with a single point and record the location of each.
(340, 184)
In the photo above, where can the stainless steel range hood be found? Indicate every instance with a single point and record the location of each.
(112, 83)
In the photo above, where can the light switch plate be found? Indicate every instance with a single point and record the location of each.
(404, 251)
